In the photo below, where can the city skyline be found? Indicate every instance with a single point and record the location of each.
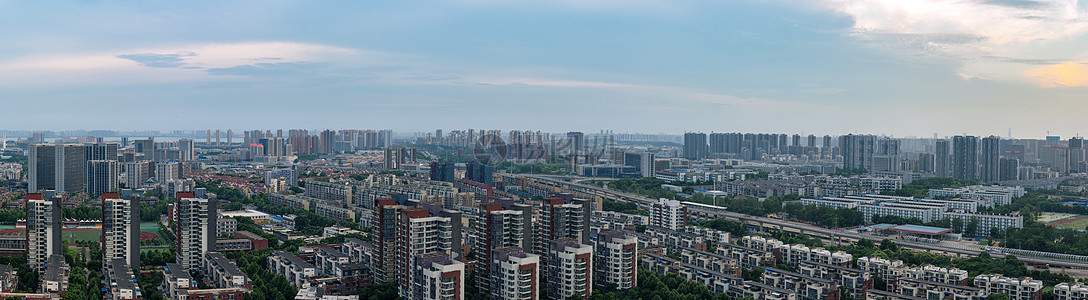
(835, 66)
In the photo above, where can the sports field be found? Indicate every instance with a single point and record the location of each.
(73, 235)
(1050, 217)
(1077, 222)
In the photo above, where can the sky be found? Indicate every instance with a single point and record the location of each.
(902, 68)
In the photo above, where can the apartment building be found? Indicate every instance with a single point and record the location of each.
(669, 214)
(55, 277)
(712, 261)
(196, 226)
(1024, 288)
(436, 277)
(328, 191)
(615, 259)
(223, 273)
(569, 268)
(991, 195)
(515, 274)
(806, 287)
(121, 281)
(938, 290)
(1070, 291)
(43, 237)
(853, 281)
(295, 269)
(121, 229)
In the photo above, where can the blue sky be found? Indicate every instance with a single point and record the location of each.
(914, 67)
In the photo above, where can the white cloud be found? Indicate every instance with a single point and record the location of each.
(984, 39)
(998, 22)
(163, 64)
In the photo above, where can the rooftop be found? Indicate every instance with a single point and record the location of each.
(921, 229)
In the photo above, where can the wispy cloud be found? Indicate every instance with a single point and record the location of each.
(1069, 74)
(173, 63)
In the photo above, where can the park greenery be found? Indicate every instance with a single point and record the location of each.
(621, 207)
(654, 286)
(919, 188)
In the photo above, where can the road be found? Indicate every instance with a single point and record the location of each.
(769, 223)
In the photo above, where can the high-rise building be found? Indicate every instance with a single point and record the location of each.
(498, 227)
(796, 140)
(1057, 156)
(386, 212)
(942, 159)
(43, 237)
(577, 142)
(569, 268)
(421, 241)
(42, 168)
(196, 228)
(441, 171)
(71, 168)
(328, 142)
(857, 151)
(102, 176)
(480, 172)
(1077, 155)
(558, 219)
(166, 171)
(965, 157)
(147, 147)
(812, 141)
(695, 146)
(989, 159)
(101, 151)
(1009, 169)
(272, 146)
(121, 229)
(668, 214)
(616, 259)
(136, 173)
(434, 276)
(517, 274)
(385, 138)
(186, 146)
(642, 161)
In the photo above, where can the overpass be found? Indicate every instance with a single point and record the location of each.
(1053, 259)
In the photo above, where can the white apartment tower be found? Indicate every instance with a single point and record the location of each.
(120, 229)
(196, 226)
(668, 214)
(43, 223)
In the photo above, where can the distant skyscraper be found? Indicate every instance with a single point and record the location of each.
(230, 137)
(41, 168)
(989, 159)
(857, 151)
(121, 229)
(1077, 155)
(1010, 169)
(101, 151)
(147, 148)
(811, 141)
(208, 139)
(942, 159)
(827, 142)
(695, 146)
(43, 237)
(385, 138)
(186, 147)
(965, 157)
(796, 140)
(577, 142)
(166, 171)
(136, 173)
(102, 176)
(71, 168)
(642, 161)
(442, 171)
(328, 142)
